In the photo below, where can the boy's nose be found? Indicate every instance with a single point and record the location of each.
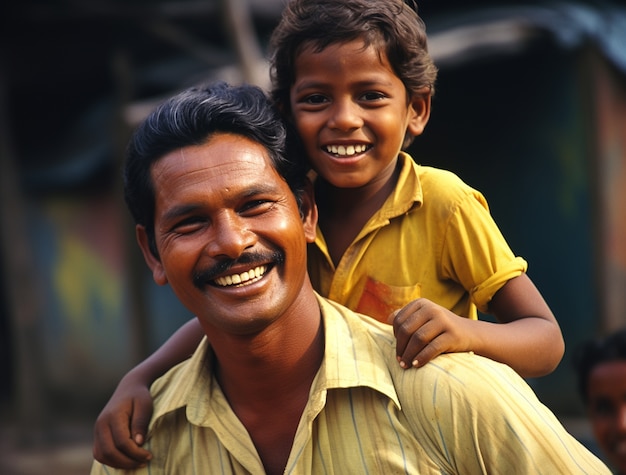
(345, 116)
(229, 237)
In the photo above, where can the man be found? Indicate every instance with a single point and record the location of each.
(285, 381)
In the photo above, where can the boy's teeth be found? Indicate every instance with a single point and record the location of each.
(345, 150)
(245, 277)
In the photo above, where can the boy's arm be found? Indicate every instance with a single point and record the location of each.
(121, 427)
(528, 337)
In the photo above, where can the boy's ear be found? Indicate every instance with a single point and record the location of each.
(154, 263)
(309, 212)
(419, 111)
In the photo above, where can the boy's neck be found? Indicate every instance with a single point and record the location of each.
(368, 199)
(344, 212)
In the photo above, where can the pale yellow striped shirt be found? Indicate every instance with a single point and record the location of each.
(461, 413)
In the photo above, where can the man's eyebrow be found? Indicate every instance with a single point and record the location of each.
(259, 189)
(178, 211)
(248, 192)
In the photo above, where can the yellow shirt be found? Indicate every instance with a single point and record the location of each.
(432, 238)
(461, 413)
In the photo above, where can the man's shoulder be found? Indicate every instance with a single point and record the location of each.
(181, 384)
(467, 372)
(462, 378)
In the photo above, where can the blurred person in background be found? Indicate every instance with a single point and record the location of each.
(601, 369)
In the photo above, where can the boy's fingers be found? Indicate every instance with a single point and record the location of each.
(107, 451)
(392, 317)
(142, 412)
(117, 446)
(422, 346)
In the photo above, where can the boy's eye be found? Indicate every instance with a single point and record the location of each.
(372, 96)
(315, 99)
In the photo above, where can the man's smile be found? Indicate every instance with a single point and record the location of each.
(246, 270)
(244, 278)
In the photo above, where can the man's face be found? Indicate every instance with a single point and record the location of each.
(229, 234)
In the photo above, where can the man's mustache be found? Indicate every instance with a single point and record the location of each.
(253, 259)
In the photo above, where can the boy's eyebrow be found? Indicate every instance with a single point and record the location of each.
(320, 84)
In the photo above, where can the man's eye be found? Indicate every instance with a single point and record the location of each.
(188, 226)
(256, 206)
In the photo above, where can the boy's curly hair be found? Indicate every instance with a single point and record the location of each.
(391, 25)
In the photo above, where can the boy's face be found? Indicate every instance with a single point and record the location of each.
(607, 410)
(231, 242)
(352, 113)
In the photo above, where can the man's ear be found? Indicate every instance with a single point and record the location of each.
(419, 106)
(309, 212)
(154, 263)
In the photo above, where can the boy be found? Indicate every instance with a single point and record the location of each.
(356, 80)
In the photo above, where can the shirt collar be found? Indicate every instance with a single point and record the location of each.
(347, 334)
(407, 193)
(358, 351)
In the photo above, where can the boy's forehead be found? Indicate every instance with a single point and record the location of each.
(365, 40)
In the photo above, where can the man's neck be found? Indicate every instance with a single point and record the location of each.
(267, 380)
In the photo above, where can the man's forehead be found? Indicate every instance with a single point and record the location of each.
(224, 154)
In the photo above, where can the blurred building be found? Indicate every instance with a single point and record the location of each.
(530, 109)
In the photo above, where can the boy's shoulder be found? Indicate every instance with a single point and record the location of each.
(437, 187)
(441, 180)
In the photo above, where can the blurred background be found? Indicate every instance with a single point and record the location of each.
(530, 108)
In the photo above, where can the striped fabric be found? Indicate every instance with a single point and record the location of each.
(459, 414)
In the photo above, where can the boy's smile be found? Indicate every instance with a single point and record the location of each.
(352, 113)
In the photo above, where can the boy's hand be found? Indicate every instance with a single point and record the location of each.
(121, 427)
(424, 330)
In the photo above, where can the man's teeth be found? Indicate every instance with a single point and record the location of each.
(245, 277)
(345, 150)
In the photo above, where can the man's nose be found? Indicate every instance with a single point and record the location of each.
(345, 115)
(230, 236)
